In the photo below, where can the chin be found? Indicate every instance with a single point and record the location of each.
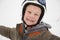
(30, 24)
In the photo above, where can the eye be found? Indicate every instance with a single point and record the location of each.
(29, 12)
(36, 14)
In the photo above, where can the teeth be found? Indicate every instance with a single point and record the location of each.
(30, 20)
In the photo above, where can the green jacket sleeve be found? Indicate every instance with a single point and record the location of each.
(5, 31)
(54, 37)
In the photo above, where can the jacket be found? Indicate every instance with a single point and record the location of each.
(38, 32)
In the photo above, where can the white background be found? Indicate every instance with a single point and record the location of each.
(10, 15)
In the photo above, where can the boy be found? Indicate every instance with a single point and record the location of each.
(32, 28)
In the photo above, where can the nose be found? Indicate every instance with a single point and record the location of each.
(32, 16)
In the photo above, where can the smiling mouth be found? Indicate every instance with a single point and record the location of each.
(30, 20)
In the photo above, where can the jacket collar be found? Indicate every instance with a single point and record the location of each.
(41, 27)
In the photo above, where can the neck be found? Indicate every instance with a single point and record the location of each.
(28, 26)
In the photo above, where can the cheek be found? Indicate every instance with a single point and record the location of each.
(25, 16)
(36, 19)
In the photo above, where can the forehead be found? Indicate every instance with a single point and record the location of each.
(33, 8)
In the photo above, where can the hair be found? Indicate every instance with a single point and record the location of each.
(24, 9)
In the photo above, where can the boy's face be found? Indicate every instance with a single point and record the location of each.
(32, 14)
